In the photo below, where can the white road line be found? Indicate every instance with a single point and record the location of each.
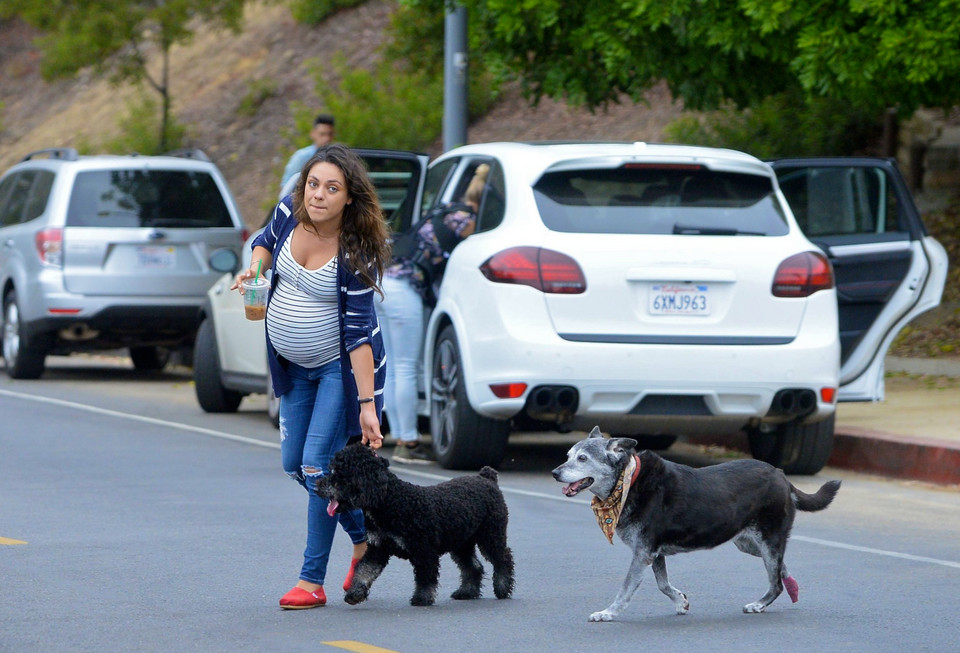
(141, 418)
(434, 477)
(879, 552)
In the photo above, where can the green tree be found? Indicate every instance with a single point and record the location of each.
(115, 37)
(870, 53)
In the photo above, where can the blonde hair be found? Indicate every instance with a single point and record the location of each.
(477, 184)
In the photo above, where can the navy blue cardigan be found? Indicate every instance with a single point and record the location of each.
(358, 321)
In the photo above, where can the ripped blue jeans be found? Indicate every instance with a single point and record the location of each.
(312, 429)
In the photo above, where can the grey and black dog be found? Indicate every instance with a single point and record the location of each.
(672, 508)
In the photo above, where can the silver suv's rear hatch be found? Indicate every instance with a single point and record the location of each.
(144, 232)
(693, 259)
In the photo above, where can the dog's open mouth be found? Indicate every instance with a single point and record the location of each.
(332, 507)
(576, 487)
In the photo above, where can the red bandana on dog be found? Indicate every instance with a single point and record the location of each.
(608, 510)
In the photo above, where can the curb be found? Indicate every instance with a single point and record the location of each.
(917, 459)
(873, 452)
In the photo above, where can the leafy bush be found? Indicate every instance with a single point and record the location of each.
(258, 92)
(140, 131)
(783, 125)
(388, 107)
(314, 12)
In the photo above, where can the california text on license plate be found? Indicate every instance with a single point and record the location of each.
(679, 299)
(156, 257)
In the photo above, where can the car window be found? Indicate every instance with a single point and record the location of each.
(147, 198)
(493, 203)
(437, 177)
(17, 195)
(396, 181)
(659, 199)
(39, 194)
(839, 200)
(5, 187)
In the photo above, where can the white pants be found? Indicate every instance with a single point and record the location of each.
(401, 315)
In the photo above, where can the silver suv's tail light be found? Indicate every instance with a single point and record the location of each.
(50, 246)
(801, 275)
(544, 269)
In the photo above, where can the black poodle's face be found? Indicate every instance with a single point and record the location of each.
(356, 477)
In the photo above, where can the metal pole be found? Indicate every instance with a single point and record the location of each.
(455, 78)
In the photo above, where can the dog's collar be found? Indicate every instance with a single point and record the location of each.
(636, 472)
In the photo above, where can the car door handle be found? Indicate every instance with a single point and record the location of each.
(8, 244)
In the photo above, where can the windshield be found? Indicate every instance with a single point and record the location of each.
(147, 198)
(659, 199)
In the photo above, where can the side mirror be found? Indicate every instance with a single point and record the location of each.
(223, 260)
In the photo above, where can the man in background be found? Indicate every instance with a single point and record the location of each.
(321, 134)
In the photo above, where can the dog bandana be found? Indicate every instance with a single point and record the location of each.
(608, 510)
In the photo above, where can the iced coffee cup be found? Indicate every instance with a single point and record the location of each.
(255, 298)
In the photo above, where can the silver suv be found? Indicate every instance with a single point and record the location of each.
(107, 252)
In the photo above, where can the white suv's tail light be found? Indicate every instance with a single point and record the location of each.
(801, 275)
(544, 269)
(50, 246)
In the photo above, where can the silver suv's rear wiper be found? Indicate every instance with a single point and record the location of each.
(701, 230)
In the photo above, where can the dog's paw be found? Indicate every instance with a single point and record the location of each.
(357, 594)
(754, 608)
(466, 594)
(603, 615)
(420, 601)
(683, 605)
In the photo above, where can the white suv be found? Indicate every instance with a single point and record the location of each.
(106, 252)
(663, 291)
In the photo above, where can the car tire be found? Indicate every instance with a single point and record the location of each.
(213, 397)
(149, 359)
(795, 448)
(24, 360)
(462, 439)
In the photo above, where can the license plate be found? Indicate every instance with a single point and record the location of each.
(679, 299)
(156, 257)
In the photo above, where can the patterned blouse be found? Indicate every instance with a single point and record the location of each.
(429, 246)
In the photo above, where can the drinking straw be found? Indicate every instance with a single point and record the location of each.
(259, 263)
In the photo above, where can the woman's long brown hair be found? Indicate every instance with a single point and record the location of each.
(364, 234)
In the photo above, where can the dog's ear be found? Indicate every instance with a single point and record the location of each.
(618, 449)
(595, 433)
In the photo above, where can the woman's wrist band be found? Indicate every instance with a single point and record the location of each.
(365, 400)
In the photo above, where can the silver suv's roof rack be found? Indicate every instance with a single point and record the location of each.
(188, 153)
(65, 153)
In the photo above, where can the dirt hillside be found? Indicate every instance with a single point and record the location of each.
(211, 76)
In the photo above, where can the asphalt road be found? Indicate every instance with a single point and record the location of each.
(132, 521)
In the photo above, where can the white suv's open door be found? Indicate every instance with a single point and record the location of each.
(859, 211)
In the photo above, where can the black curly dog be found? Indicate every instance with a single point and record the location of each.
(420, 524)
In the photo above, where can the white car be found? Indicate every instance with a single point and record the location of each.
(661, 290)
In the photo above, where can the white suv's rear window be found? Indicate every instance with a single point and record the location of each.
(147, 198)
(659, 199)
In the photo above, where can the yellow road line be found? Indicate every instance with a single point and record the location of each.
(7, 540)
(358, 647)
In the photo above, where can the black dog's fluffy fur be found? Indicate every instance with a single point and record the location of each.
(421, 523)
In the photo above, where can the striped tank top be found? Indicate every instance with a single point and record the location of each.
(302, 316)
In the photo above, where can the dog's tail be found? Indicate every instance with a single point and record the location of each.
(489, 473)
(818, 501)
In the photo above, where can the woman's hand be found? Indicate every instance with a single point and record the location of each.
(370, 426)
(242, 276)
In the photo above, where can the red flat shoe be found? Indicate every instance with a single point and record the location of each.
(300, 599)
(349, 580)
